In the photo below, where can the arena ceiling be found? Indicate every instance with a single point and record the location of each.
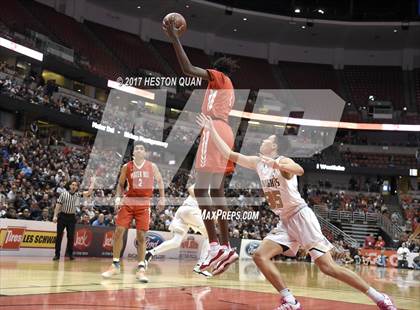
(256, 26)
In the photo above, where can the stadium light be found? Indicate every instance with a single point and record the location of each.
(321, 11)
(297, 10)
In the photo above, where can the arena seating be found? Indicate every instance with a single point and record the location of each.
(417, 87)
(196, 56)
(254, 73)
(129, 48)
(309, 76)
(19, 19)
(380, 160)
(75, 36)
(385, 83)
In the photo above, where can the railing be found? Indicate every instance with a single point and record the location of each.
(390, 228)
(338, 232)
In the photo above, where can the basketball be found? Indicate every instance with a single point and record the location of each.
(179, 21)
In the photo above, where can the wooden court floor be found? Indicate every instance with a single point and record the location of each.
(39, 283)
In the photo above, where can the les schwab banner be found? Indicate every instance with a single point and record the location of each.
(33, 238)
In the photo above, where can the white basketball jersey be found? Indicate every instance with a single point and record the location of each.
(190, 201)
(282, 195)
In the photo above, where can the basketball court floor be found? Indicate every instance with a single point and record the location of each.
(39, 283)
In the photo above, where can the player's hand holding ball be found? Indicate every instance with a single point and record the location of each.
(174, 25)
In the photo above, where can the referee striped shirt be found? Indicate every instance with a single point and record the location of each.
(69, 202)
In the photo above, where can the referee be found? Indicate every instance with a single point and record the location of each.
(65, 216)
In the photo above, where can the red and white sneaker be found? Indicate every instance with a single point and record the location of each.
(223, 265)
(386, 303)
(213, 258)
(284, 305)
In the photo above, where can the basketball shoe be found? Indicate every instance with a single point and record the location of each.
(223, 265)
(284, 305)
(386, 303)
(112, 271)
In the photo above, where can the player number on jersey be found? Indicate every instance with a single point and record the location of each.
(274, 199)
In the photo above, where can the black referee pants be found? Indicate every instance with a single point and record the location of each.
(68, 222)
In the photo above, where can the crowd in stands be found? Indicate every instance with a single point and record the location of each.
(411, 211)
(342, 201)
(36, 91)
(34, 173)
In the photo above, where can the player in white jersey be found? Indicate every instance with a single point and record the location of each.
(298, 225)
(187, 216)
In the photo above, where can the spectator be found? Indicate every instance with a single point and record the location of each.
(380, 243)
(381, 259)
(416, 262)
(11, 213)
(35, 210)
(366, 260)
(402, 254)
(84, 220)
(25, 215)
(370, 241)
(45, 215)
(100, 221)
(395, 217)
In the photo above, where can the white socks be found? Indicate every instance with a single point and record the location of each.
(288, 296)
(375, 295)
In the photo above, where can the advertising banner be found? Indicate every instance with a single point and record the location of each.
(27, 238)
(248, 247)
(392, 260)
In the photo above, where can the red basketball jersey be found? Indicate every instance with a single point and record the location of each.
(220, 97)
(140, 180)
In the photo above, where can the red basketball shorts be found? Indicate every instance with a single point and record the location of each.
(208, 157)
(141, 214)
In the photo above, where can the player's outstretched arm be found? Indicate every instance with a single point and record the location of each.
(186, 66)
(287, 166)
(191, 191)
(249, 162)
(89, 192)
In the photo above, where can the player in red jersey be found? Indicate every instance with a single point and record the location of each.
(210, 165)
(140, 175)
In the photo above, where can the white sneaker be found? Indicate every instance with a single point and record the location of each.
(223, 265)
(141, 275)
(386, 303)
(112, 271)
(284, 305)
(203, 273)
(213, 258)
